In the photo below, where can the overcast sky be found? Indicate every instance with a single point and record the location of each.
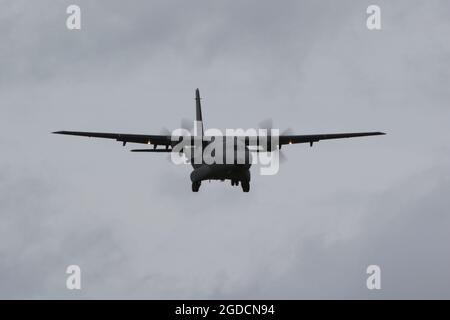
(131, 222)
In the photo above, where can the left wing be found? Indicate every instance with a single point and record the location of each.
(164, 140)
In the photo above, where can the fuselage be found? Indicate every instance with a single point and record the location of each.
(233, 163)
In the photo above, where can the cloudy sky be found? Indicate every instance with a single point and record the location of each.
(131, 222)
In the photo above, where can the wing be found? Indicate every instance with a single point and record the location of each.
(124, 138)
(166, 140)
(291, 139)
(309, 138)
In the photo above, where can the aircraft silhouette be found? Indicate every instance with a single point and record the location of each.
(238, 170)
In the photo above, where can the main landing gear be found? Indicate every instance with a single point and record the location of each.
(244, 184)
(196, 186)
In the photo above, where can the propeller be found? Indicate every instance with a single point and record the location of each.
(165, 132)
(287, 132)
(187, 124)
(267, 124)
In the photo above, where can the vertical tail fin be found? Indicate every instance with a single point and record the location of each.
(198, 114)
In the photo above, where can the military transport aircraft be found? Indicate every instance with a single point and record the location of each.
(238, 171)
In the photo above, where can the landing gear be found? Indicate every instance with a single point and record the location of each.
(245, 186)
(196, 186)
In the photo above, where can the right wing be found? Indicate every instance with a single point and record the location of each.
(306, 138)
(291, 139)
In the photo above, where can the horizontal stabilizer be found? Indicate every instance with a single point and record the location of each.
(151, 150)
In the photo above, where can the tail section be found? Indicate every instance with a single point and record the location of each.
(199, 130)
